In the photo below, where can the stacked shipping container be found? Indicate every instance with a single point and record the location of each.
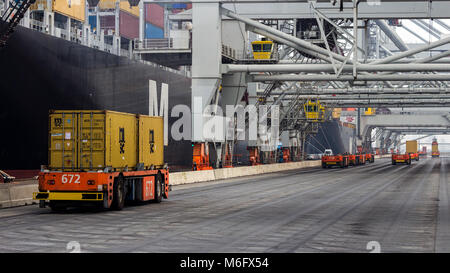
(154, 21)
(129, 19)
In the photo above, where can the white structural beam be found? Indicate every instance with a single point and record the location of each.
(206, 75)
(297, 68)
(407, 121)
(365, 90)
(373, 77)
(300, 10)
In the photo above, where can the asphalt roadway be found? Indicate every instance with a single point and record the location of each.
(376, 207)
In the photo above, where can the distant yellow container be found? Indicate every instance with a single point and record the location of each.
(75, 9)
(434, 148)
(92, 140)
(123, 5)
(411, 146)
(151, 140)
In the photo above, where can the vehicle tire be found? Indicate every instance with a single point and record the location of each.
(324, 165)
(158, 188)
(341, 164)
(118, 194)
(393, 162)
(57, 206)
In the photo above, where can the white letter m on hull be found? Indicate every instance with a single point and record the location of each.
(164, 102)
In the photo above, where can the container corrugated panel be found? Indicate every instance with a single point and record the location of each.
(39, 5)
(154, 14)
(76, 9)
(179, 6)
(434, 148)
(411, 146)
(125, 6)
(93, 22)
(129, 25)
(107, 4)
(107, 21)
(92, 140)
(153, 32)
(151, 141)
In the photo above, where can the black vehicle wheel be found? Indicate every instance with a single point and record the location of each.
(393, 162)
(341, 164)
(57, 206)
(118, 194)
(324, 165)
(158, 188)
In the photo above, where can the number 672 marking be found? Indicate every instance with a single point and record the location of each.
(69, 178)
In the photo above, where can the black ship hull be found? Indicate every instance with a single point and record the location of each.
(39, 72)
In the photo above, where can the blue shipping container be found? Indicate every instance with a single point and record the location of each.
(93, 22)
(179, 6)
(153, 32)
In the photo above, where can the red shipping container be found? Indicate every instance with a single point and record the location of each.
(188, 6)
(108, 21)
(129, 25)
(154, 14)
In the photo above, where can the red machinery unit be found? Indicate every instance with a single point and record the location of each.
(335, 160)
(200, 157)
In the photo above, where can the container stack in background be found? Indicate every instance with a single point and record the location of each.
(154, 21)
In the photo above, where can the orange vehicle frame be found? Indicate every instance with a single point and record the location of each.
(105, 180)
(337, 159)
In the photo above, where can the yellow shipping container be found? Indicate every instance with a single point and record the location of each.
(92, 140)
(434, 148)
(124, 5)
(411, 146)
(75, 9)
(39, 5)
(151, 141)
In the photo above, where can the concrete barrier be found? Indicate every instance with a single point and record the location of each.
(17, 194)
(225, 173)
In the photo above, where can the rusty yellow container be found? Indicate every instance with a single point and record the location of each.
(92, 140)
(75, 9)
(411, 146)
(123, 5)
(151, 141)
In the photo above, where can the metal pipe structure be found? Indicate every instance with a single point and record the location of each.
(364, 90)
(412, 51)
(291, 44)
(425, 28)
(423, 22)
(306, 68)
(438, 58)
(388, 103)
(442, 24)
(372, 77)
(365, 97)
(279, 34)
(392, 35)
(414, 33)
